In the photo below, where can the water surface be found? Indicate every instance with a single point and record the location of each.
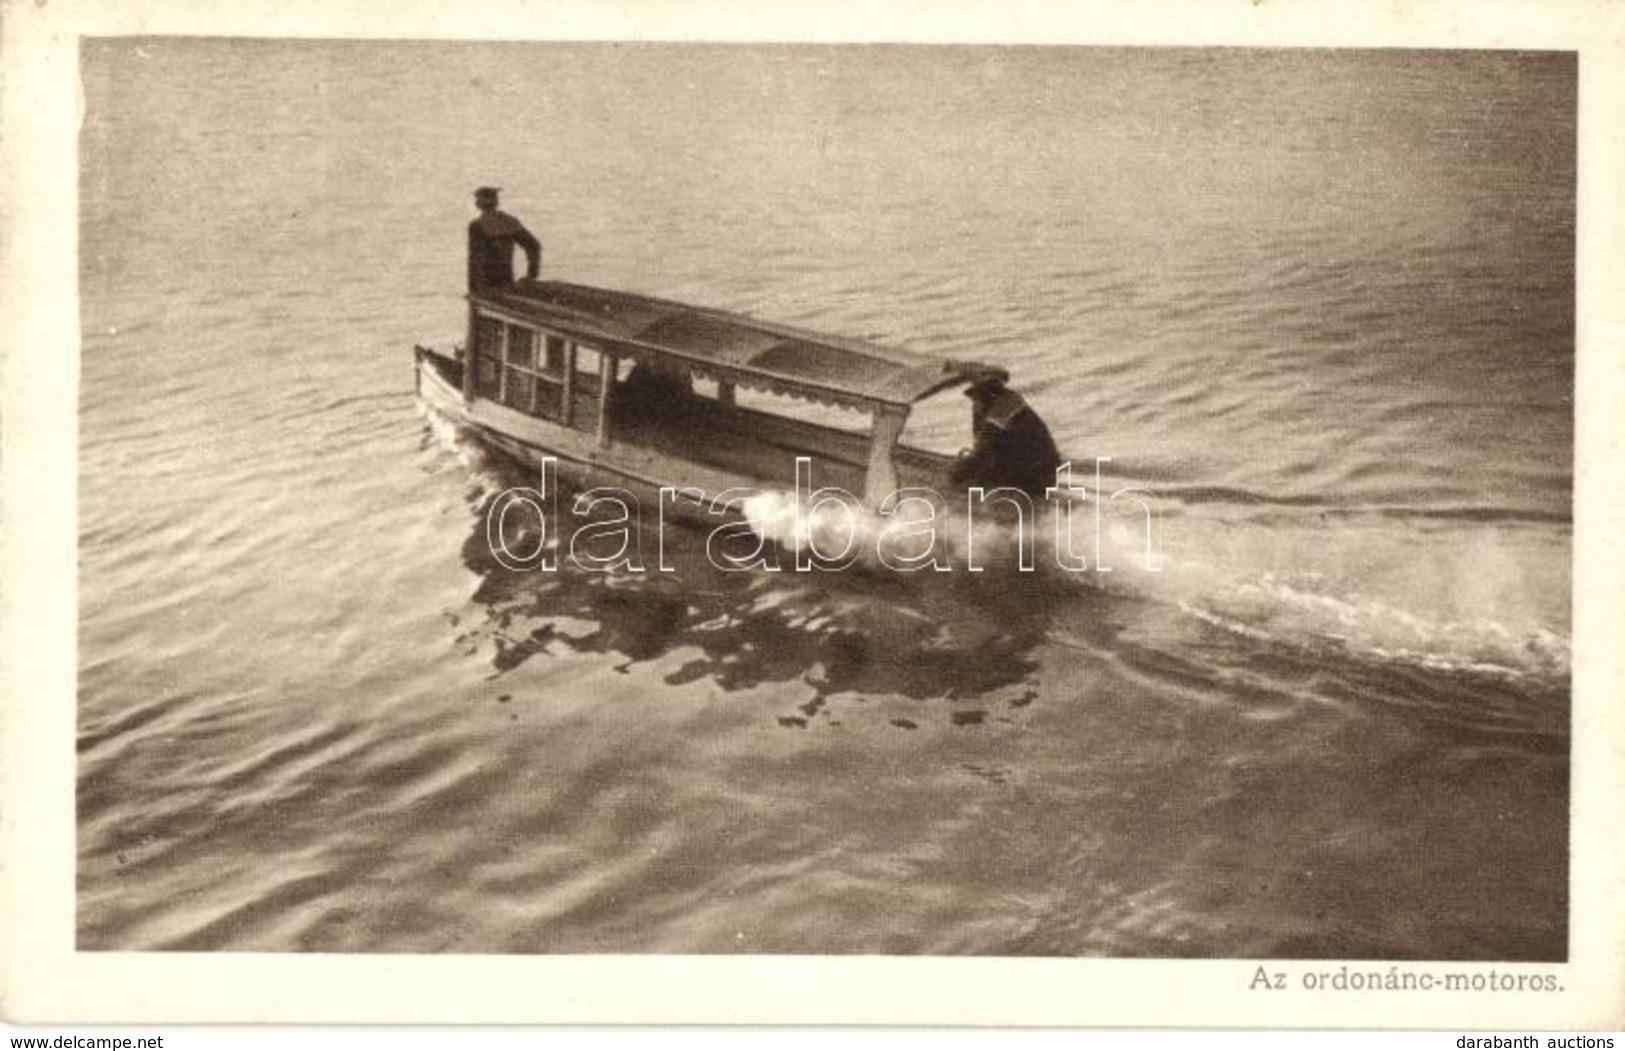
(1320, 303)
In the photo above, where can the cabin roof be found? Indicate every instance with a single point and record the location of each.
(733, 347)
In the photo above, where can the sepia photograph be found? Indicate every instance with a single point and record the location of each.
(783, 499)
(1317, 307)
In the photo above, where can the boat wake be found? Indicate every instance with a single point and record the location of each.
(1468, 596)
(1477, 598)
(1276, 611)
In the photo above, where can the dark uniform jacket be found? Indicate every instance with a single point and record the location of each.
(1013, 448)
(491, 240)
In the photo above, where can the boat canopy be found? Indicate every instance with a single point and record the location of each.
(732, 348)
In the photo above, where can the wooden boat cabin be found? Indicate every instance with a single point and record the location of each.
(642, 393)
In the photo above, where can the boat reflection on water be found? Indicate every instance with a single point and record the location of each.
(945, 637)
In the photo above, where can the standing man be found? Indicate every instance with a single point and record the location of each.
(491, 240)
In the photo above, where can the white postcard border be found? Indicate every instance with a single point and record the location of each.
(42, 978)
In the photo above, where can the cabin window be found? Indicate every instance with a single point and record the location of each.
(553, 358)
(834, 417)
(940, 425)
(524, 385)
(588, 362)
(528, 369)
(488, 335)
(487, 357)
(522, 389)
(722, 392)
(521, 347)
